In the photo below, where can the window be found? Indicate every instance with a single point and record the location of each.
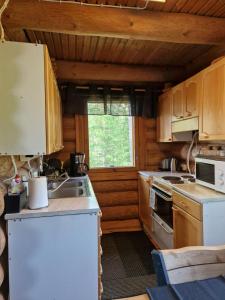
(111, 141)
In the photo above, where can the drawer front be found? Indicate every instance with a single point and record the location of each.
(188, 205)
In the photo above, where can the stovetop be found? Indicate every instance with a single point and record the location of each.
(178, 179)
(165, 183)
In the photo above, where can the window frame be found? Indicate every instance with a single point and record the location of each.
(82, 144)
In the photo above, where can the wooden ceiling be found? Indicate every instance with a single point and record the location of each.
(113, 50)
(211, 8)
(132, 38)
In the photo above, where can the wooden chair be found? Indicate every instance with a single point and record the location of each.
(188, 264)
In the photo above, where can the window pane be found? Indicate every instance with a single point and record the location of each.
(110, 141)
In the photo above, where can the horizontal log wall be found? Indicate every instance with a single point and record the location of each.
(152, 152)
(117, 194)
(69, 138)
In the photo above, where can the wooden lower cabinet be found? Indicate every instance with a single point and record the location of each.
(144, 206)
(187, 229)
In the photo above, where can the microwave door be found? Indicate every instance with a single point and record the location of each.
(205, 174)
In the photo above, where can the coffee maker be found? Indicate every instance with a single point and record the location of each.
(77, 165)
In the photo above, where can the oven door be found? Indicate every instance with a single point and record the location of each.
(163, 206)
(205, 172)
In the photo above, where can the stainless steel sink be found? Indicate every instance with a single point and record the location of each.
(74, 187)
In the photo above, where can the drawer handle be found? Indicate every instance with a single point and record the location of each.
(183, 204)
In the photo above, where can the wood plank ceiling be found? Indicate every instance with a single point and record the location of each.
(96, 49)
(113, 50)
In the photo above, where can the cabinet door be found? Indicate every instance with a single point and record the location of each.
(178, 102)
(212, 108)
(187, 229)
(144, 200)
(164, 131)
(192, 90)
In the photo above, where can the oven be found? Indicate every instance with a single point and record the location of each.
(210, 172)
(162, 216)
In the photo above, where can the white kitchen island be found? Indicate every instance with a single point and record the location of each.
(54, 251)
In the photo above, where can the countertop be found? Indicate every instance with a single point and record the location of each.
(61, 206)
(160, 173)
(199, 193)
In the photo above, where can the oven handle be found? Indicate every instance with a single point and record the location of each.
(162, 196)
(160, 224)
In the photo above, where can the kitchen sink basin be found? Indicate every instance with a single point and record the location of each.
(74, 187)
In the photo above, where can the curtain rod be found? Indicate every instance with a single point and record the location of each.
(112, 88)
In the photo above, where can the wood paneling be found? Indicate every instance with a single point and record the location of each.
(119, 23)
(109, 50)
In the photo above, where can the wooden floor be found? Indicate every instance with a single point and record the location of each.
(141, 297)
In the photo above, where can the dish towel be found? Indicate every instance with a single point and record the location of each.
(208, 289)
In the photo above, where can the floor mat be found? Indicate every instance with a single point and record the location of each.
(127, 265)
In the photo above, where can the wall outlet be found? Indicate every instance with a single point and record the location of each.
(27, 157)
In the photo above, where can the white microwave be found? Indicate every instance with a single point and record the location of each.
(210, 172)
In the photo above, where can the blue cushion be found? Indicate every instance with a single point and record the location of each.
(208, 289)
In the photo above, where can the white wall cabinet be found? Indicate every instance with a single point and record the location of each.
(54, 257)
(30, 114)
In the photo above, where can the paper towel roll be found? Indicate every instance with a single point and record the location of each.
(38, 192)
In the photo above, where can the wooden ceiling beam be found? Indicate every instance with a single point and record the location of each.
(75, 71)
(111, 22)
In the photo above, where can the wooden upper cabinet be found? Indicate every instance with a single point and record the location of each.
(164, 133)
(192, 92)
(212, 107)
(178, 102)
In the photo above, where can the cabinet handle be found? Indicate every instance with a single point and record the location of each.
(189, 113)
(183, 204)
(169, 139)
(180, 117)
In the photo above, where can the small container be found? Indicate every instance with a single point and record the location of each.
(15, 202)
